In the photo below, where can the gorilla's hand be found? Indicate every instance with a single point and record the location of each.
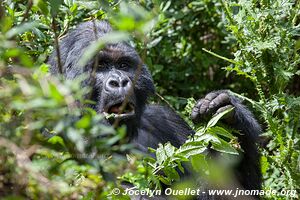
(213, 103)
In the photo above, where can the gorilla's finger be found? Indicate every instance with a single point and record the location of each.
(221, 100)
(199, 109)
(211, 96)
(199, 103)
(204, 107)
(195, 116)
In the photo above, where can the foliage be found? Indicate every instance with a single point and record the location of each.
(53, 147)
(47, 137)
(268, 56)
(168, 158)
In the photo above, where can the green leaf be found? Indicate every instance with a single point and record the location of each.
(169, 149)
(42, 5)
(217, 117)
(55, 4)
(171, 173)
(180, 166)
(84, 122)
(165, 180)
(160, 154)
(264, 164)
(55, 93)
(191, 148)
(56, 140)
(224, 147)
(166, 6)
(220, 131)
(121, 132)
(21, 29)
(199, 163)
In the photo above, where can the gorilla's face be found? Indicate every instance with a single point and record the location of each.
(122, 82)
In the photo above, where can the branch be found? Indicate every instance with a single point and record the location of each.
(57, 46)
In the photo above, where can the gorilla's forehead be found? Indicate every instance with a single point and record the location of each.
(118, 51)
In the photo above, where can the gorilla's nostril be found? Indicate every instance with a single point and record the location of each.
(124, 83)
(114, 83)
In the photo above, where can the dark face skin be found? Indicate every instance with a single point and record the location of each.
(115, 90)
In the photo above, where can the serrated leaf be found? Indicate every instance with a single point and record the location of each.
(160, 154)
(191, 148)
(224, 147)
(169, 149)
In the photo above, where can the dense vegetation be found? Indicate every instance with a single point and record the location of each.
(48, 148)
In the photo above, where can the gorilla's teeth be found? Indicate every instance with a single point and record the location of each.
(119, 116)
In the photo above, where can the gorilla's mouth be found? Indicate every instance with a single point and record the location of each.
(119, 111)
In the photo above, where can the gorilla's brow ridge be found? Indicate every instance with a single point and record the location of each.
(117, 55)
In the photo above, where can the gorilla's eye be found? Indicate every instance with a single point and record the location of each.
(103, 64)
(124, 65)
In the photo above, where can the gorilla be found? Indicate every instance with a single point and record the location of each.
(117, 90)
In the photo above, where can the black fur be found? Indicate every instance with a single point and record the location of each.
(151, 124)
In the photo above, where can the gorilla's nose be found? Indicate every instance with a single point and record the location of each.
(114, 84)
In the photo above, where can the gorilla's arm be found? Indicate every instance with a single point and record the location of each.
(248, 170)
